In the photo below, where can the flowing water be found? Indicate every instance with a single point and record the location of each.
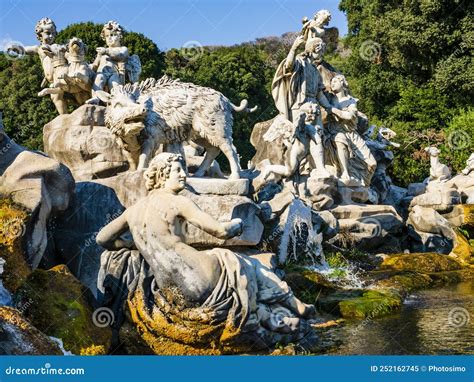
(300, 239)
(436, 321)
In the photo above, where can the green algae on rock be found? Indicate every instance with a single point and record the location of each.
(54, 301)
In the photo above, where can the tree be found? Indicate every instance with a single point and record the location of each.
(412, 68)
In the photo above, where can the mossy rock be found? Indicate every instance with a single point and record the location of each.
(19, 337)
(330, 303)
(371, 304)
(403, 283)
(452, 277)
(421, 262)
(463, 250)
(53, 300)
(308, 285)
(13, 221)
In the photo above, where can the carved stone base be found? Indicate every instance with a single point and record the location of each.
(215, 186)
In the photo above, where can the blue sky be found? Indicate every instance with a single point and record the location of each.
(169, 23)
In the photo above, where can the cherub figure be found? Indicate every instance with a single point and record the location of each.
(297, 137)
(316, 26)
(213, 285)
(113, 65)
(52, 57)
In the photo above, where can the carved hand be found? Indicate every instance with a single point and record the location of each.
(298, 42)
(234, 227)
(101, 50)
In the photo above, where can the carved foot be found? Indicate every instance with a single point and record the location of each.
(93, 101)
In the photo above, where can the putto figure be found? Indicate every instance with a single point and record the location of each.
(316, 26)
(235, 295)
(113, 65)
(53, 59)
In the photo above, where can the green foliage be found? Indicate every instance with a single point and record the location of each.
(460, 139)
(416, 74)
(24, 113)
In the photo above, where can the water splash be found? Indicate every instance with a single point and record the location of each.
(301, 243)
(299, 238)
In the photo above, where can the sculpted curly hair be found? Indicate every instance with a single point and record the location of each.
(111, 26)
(159, 169)
(322, 15)
(45, 21)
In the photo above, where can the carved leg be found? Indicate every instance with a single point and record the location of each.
(231, 153)
(61, 105)
(343, 155)
(211, 154)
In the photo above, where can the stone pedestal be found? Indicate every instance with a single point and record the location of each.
(81, 141)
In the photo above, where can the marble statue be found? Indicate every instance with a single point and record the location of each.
(316, 26)
(113, 64)
(469, 165)
(174, 112)
(53, 59)
(233, 293)
(356, 162)
(439, 172)
(296, 139)
(79, 76)
(297, 82)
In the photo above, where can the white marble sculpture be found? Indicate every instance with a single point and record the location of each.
(356, 162)
(52, 57)
(316, 26)
(175, 112)
(439, 172)
(297, 84)
(213, 286)
(78, 78)
(113, 64)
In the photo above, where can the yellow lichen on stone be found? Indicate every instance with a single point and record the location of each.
(167, 337)
(463, 250)
(420, 262)
(13, 220)
(93, 350)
